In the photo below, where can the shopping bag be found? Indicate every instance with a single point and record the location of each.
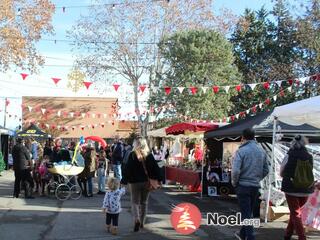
(310, 212)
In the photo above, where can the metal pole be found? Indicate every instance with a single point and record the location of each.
(5, 113)
(202, 161)
(271, 168)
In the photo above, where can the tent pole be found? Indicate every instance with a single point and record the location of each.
(271, 168)
(202, 161)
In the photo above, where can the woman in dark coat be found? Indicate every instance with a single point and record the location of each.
(85, 177)
(296, 197)
(141, 165)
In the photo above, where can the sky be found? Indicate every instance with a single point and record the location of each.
(59, 58)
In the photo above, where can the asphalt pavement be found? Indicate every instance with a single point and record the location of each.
(49, 219)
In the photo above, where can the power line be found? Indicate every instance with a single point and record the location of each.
(113, 5)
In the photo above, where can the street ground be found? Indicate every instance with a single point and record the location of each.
(50, 219)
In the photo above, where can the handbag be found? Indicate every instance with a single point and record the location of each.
(153, 184)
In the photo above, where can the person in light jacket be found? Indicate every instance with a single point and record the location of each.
(250, 166)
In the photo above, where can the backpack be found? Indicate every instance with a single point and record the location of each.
(303, 175)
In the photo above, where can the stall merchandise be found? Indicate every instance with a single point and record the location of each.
(191, 130)
(184, 176)
(274, 131)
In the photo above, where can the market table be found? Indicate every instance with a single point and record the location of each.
(184, 176)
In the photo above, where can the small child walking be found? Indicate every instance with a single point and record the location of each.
(112, 205)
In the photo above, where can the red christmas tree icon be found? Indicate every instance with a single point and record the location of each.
(185, 221)
(185, 218)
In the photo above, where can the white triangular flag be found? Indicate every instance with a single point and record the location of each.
(180, 89)
(279, 83)
(93, 115)
(43, 110)
(237, 115)
(83, 115)
(275, 98)
(58, 127)
(253, 86)
(104, 115)
(303, 80)
(260, 105)
(204, 89)
(72, 114)
(47, 125)
(248, 111)
(290, 89)
(155, 89)
(227, 88)
(59, 113)
(228, 119)
(30, 108)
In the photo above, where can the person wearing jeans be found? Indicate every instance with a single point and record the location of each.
(117, 171)
(295, 197)
(247, 196)
(250, 166)
(101, 172)
(117, 158)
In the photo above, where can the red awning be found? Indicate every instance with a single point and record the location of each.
(180, 128)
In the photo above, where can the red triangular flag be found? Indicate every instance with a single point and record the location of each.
(167, 90)
(142, 88)
(24, 76)
(254, 108)
(7, 102)
(232, 118)
(242, 114)
(193, 90)
(267, 101)
(116, 87)
(266, 85)
(87, 84)
(56, 80)
(290, 81)
(238, 88)
(215, 89)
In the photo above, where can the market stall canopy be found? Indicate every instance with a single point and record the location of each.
(263, 125)
(161, 132)
(6, 131)
(185, 128)
(33, 132)
(306, 111)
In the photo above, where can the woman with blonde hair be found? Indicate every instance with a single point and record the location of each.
(139, 171)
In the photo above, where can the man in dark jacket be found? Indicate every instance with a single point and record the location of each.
(22, 168)
(116, 158)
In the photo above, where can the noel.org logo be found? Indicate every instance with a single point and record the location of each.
(185, 218)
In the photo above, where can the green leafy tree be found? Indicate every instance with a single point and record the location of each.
(309, 37)
(195, 58)
(266, 51)
(2, 163)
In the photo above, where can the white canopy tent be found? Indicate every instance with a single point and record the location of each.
(306, 111)
(302, 112)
